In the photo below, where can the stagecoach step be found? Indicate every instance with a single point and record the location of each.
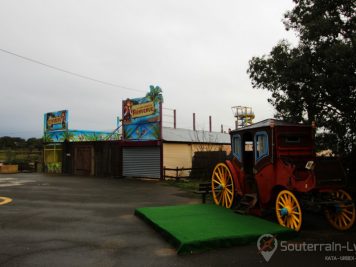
(247, 202)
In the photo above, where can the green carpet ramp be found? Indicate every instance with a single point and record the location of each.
(196, 228)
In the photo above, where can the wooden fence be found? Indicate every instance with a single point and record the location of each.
(177, 171)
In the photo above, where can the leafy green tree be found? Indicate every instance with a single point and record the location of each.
(316, 79)
(12, 142)
(34, 143)
(155, 94)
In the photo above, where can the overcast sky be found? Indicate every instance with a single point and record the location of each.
(197, 51)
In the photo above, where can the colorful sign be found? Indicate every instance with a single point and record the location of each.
(143, 110)
(142, 116)
(79, 136)
(56, 121)
(56, 130)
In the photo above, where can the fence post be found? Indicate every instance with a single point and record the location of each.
(174, 119)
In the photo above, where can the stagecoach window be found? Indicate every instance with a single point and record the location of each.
(236, 146)
(248, 146)
(292, 139)
(261, 140)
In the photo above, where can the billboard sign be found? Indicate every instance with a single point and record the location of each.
(56, 121)
(142, 116)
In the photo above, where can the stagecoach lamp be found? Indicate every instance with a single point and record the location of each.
(309, 165)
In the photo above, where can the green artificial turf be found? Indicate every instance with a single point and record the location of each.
(195, 228)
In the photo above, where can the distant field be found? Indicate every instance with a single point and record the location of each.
(20, 155)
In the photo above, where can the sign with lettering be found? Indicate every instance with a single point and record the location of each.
(56, 121)
(142, 116)
(143, 110)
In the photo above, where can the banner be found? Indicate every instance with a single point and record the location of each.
(142, 116)
(56, 121)
(79, 136)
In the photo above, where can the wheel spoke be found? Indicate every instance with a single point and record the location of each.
(218, 179)
(283, 201)
(342, 218)
(215, 181)
(220, 199)
(346, 217)
(226, 200)
(228, 190)
(338, 221)
(220, 173)
(280, 204)
(348, 211)
(218, 196)
(223, 176)
(296, 218)
(294, 224)
(228, 197)
(223, 170)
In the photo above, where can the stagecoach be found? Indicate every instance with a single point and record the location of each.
(273, 165)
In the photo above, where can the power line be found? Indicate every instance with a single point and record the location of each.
(69, 72)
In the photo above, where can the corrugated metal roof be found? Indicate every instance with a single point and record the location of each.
(190, 136)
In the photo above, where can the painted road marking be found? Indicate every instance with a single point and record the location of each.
(6, 182)
(5, 200)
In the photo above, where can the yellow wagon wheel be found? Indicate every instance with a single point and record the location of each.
(288, 211)
(222, 186)
(341, 215)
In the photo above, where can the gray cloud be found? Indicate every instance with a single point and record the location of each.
(197, 51)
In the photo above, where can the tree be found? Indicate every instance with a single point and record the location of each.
(34, 143)
(7, 142)
(315, 80)
(155, 94)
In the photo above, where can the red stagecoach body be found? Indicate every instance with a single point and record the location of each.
(274, 165)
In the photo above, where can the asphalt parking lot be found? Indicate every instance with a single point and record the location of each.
(85, 221)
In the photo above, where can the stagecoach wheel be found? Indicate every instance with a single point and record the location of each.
(288, 211)
(342, 215)
(222, 186)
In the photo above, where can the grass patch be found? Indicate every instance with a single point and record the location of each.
(197, 228)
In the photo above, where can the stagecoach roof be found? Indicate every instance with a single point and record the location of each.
(268, 122)
(190, 136)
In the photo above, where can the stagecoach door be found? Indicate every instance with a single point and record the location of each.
(247, 153)
(248, 161)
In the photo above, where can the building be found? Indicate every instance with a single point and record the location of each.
(181, 145)
(143, 148)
